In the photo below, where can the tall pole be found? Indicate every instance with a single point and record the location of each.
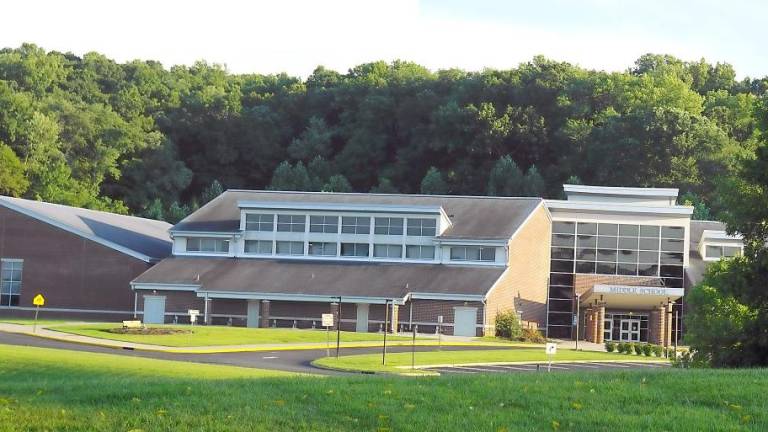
(338, 329)
(577, 321)
(677, 327)
(386, 325)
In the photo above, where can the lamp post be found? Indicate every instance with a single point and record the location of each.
(576, 319)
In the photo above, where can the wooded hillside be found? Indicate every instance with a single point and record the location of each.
(138, 138)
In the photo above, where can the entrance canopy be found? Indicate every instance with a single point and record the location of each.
(630, 297)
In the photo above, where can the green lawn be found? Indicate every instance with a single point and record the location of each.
(221, 335)
(372, 362)
(47, 390)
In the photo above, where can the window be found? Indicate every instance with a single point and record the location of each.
(207, 244)
(673, 232)
(387, 251)
(322, 249)
(10, 281)
(422, 227)
(324, 224)
(473, 253)
(259, 222)
(731, 251)
(715, 252)
(389, 226)
(291, 223)
(355, 225)
(290, 248)
(355, 249)
(564, 227)
(258, 247)
(419, 252)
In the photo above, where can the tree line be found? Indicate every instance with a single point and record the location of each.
(142, 139)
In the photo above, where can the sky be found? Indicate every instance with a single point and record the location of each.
(295, 36)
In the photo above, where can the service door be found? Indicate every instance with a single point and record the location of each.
(465, 321)
(252, 319)
(154, 309)
(362, 317)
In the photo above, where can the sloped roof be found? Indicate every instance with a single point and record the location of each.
(305, 277)
(472, 217)
(145, 239)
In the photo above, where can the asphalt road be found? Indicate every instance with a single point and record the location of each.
(293, 361)
(542, 367)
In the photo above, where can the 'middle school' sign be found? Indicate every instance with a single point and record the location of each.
(638, 290)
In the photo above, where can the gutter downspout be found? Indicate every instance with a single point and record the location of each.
(135, 303)
(205, 309)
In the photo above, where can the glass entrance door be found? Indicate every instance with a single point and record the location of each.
(629, 330)
(608, 329)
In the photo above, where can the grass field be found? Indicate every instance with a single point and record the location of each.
(220, 335)
(46, 390)
(372, 362)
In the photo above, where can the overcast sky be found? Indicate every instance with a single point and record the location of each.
(295, 36)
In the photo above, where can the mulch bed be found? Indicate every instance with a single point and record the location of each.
(149, 331)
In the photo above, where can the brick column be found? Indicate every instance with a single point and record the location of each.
(600, 325)
(589, 325)
(336, 317)
(395, 317)
(264, 314)
(656, 326)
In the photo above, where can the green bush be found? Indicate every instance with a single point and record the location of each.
(630, 348)
(658, 350)
(638, 348)
(531, 335)
(610, 346)
(647, 350)
(508, 325)
(621, 347)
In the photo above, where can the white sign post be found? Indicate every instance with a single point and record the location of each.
(327, 323)
(551, 350)
(439, 332)
(193, 313)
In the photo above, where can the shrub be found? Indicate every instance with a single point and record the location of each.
(531, 335)
(630, 348)
(638, 348)
(647, 350)
(658, 350)
(507, 325)
(610, 346)
(621, 347)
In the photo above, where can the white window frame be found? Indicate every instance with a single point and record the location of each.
(258, 243)
(13, 262)
(295, 224)
(216, 240)
(333, 249)
(420, 255)
(385, 224)
(355, 247)
(416, 227)
(291, 245)
(389, 248)
(359, 225)
(327, 224)
(260, 225)
(466, 251)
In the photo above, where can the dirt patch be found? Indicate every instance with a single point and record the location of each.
(149, 331)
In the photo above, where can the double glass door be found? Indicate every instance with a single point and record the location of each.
(629, 330)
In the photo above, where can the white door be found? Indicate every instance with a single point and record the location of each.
(465, 321)
(362, 317)
(629, 330)
(608, 329)
(154, 309)
(252, 319)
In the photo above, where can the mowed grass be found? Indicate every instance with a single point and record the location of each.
(221, 335)
(394, 361)
(45, 390)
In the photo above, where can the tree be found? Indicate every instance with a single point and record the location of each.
(337, 183)
(700, 209)
(385, 186)
(505, 179)
(291, 178)
(214, 190)
(433, 183)
(533, 183)
(12, 179)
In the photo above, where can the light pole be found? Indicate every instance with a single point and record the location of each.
(576, 319)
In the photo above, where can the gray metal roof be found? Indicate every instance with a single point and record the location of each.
(474, 217)
(304, 277)
(145, 239)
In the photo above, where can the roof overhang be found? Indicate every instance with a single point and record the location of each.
(357, 208)
(621, 191)
(298, 297)
(589, 207)
(630, 296)
(717, 235)
(470, 241)
(440, 296)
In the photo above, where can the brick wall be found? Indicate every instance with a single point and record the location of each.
(523, 286)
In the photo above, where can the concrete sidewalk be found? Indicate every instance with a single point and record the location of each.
(116, 344)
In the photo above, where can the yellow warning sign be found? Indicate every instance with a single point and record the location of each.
(39, 300)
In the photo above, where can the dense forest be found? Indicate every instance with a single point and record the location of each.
(142, 139)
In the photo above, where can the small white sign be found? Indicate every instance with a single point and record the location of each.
(551, 348)
(193, 312)
(439, 319)
(327, 320)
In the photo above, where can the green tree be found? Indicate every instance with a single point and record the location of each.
(211, 192)
(385, 186)
(533, 183)
(433, 183)
(506, 179)
(291, 178)
(337, 183)
(12, 179)
(700, 209)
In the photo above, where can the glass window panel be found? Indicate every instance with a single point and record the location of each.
(673, 282)
(421, 227)
(561, 305)
(322, 248)
(473, 253)
(628, 243)
(629, 230)
(672, 245)
(355, 225)
(648, 257)
(564, 227)
(459, 253)
(606, 255)
(291, 223)
(587, 228)
(387, 251)
(487, 254)
(651, 244)
(672, 258)
(627, 256)
(608, 229)
(563, 240)
(557, 319)
(193, 244)
(354, 249)
(561, 279)
(671, 271)
(649, 231)
(627, 269)
(259, 222)
(713, 251)
(607, 242)
(289, 248)
(585, 254)
(586, 241)
(562, 253)
(606, 268)
(731, 251)
(260, 247)
(673, 232)
(324, 224)
(585, 267)
(388, 226)
(560, 292)
(555, 265)
(648, 270)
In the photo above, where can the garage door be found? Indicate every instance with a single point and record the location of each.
(465, 321)
(154, 309)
